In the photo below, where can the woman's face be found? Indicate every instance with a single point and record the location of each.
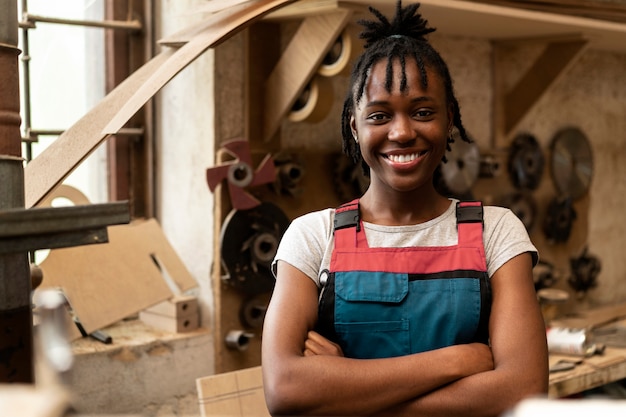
(402, 135)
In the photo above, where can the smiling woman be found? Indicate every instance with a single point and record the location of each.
(403, 302)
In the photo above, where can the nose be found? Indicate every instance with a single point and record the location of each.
(401, 129)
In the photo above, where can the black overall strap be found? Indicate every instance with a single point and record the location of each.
(347, 215)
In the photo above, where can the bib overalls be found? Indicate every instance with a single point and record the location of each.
(385, 302)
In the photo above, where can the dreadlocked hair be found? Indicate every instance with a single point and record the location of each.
(402, 38)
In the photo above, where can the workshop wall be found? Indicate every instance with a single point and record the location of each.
(590, 95)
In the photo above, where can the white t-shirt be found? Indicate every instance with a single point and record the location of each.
(308, 241)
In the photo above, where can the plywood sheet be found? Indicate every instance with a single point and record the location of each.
(108, 282)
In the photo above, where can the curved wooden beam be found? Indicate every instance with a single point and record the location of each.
(57, 161)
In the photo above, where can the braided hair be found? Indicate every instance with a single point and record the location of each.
(402, 38)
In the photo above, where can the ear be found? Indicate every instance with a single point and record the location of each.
(353, 127)
(450, 117)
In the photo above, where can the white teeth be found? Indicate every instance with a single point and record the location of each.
(403, 158)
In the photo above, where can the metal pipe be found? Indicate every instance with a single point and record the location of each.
(125, 131)
(26, 84)
(16, 318)
(132, 25)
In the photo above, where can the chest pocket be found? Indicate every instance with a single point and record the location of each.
(379, 314)
(370, 314)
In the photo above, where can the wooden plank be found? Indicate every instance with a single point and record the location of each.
(181, 324)
(593, 318)
(298, 63)
(185, 35)
(237, 393)
(591, 373)
(108, 282)
(57, 161)
(303, 8)
(221, 29)
(556, 58)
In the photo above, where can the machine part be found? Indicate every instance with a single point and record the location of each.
(252, 312)
(544, 275)
(559, 219)
(526, 162)
(572, 162)
(524, 207)
(489, 167)
(238, 340)
(249, 241)
(239, 174)
(315, 102)
(460, 172)
(337, 60)
(585, 269)
(290, 174)
(350, 181)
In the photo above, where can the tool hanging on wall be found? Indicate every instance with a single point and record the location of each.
(249, 241)
(338, 59)
(461, 170)
(572, 162)
(239, 174)
(350, 181)
(585, 269)
(252, 311)
(557, 225)
(315, 101)
(544, 275)
(290, 174)
(524, 206)
(526, 162)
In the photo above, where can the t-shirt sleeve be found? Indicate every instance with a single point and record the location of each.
(506, 237)
(304, 242)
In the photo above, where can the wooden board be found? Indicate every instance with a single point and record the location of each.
(237, 393)
(220, 29)
(592, 318)
(593, 372)
(57, 161)
(108, 282)
(298, 63)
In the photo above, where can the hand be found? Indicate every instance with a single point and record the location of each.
(316, 344)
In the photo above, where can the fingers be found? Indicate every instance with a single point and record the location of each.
(316, 344)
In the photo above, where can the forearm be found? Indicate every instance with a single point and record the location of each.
(330, 385)
(485, 394)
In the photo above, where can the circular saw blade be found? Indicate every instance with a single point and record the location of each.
(572, 163)
(526, 162)
(249, 241)
(463, 166)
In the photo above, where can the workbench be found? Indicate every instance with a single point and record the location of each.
(591, 372)
(596, 370)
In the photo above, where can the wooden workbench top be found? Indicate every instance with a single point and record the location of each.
(590, 373)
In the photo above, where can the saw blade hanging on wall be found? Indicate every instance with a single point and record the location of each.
(461, 170)
(249, 241)
(526, 162)
(572, 162)
(559, 220)
(239, 174)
